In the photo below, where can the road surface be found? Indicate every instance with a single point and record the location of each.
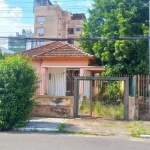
(50, 141)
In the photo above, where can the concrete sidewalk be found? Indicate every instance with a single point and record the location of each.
(43, 124)
(96, 126)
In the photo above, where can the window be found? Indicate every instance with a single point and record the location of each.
(41, 2)
(15, 46)
(78, 29)
(40, 30)
(22, 46)
(39, 43)
(70, 30)
(40, 19)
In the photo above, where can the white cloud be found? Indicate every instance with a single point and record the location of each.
(10, 21)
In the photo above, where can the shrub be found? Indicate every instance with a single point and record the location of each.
(111, 93)
(17, 88)
(2, 55)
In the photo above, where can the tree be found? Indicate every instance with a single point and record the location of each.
(2, 55)
(118, 18)
(17, 88)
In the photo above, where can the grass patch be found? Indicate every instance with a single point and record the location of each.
(138, 128)
(84, 108)
(112, 111)
(62, 129)
(101, 110)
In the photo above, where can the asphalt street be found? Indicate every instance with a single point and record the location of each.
(51, 141)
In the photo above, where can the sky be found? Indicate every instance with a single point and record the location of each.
(16, 15)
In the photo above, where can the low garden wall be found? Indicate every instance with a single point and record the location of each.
(53, 106)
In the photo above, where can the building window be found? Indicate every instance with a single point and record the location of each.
(40, 30)
(39, 42)
(22, 46)
(78, 29)
(40, 19)
(70, 30)
(15, 46)
(41, 2)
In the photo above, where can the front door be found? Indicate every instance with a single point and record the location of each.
(70, 73)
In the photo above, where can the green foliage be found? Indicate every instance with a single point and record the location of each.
(118, 18)
(101, 110)
(2, 55)
(17, 88)
(61, 127)
(137, 129)
(110, 93)
(85, 106)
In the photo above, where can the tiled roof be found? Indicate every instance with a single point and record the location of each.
(44, 48)
(57, 49)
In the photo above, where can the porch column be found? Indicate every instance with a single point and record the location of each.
(81, 84)
(44, 80)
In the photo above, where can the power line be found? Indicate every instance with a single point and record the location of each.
(78, 39)
(51, 1)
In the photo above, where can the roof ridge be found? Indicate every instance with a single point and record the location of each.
(81, 50)
(40, 46)
(50, 49)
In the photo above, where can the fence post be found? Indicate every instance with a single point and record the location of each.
(126, 99)
(76, 97)
(132, 86)
(91, 95)
(134, 78)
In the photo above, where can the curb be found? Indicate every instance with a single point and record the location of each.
(38, 129)
(145, 135)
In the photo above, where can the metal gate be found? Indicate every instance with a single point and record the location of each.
(90, 82)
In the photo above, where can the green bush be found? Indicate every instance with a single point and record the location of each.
(17, 88)
(111, 92)
(2, 55)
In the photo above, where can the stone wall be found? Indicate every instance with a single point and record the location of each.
(53, 106)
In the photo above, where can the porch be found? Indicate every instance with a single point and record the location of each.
(59, 81)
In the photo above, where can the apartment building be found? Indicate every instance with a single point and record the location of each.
(19, 43)
(50, 21)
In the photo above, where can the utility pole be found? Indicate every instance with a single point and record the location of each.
(149, 61)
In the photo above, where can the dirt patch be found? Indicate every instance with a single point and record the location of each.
(103, 126)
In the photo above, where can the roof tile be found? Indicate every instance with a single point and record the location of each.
(57, 49)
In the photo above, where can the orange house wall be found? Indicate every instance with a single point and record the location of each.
(65, 62)
(43, 64)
